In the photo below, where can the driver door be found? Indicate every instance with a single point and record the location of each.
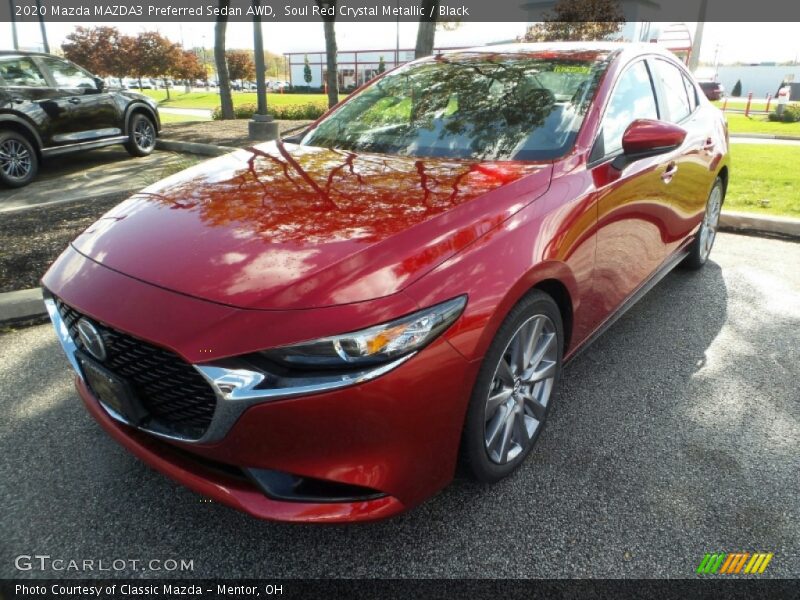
(632, 208)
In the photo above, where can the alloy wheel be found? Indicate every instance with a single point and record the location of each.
(516, 405)
(15, 159)
(708, 230)
(143, 134)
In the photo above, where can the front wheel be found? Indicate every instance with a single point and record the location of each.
(515, 388)
(704, 241)
(142, 136)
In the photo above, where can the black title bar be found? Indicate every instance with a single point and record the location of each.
(383, 589)
(115, 11)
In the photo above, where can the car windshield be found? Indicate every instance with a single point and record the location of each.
(470, 106)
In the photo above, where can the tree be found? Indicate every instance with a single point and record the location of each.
(240, 65)
(381, 65)
(331, 51)
(578, 20)
(154, 56)
(307, 70)
(225, 100)
(737, 89)
(426, 32)
(188, 66)
(102, 50)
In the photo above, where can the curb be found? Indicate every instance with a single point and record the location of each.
(766, 136)
(98, 197)
(22, 305)
(193, 147)
(755, 224)
(28, 304)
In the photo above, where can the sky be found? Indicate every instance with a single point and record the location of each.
(733, 42)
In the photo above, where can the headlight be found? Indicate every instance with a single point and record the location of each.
(374, 345)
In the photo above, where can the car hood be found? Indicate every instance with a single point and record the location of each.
(282, 226)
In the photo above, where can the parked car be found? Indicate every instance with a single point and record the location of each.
(397, 288)
(713, 90)
(50, 106)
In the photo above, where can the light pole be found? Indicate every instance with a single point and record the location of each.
(397, 37)
(694, 58)
(45, 45)
(262, 126)
(13, 24)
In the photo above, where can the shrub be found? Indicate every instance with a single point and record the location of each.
(289, 112)
(791, 114)
(737, 89)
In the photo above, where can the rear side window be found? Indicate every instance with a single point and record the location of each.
(691, 92)
(69, 76)
(21, 72)
(632, 99)
(674, 89)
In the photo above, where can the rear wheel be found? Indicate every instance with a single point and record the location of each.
(142, 136)
(18, 160)
(704, 241)
(515, 388)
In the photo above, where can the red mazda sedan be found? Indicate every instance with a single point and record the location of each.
(321, 329)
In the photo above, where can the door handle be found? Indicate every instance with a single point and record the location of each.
(74, 100)
(667, 175)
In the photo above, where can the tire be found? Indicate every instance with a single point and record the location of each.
(703, 242)
(19, 162)
(498, 400)
(142, 136)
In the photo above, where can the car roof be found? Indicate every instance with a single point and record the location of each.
(21, 53)
(533, 48)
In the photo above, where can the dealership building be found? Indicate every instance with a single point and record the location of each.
(356, 67)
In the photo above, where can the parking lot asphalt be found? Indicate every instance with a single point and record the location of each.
(97, 173)
(677, 433)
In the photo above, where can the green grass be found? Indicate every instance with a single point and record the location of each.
(169, 118)
(764, 179)
(738, 123)
(210, 100)
(740, 103)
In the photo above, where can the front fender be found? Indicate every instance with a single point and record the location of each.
(550, 239)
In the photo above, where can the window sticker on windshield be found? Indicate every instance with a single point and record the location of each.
(572, 69)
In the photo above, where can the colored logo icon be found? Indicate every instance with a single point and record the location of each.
(734, 563)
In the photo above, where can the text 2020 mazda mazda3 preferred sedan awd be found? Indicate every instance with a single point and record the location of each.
(321, 329)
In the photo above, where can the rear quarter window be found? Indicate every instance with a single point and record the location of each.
(20, 72)
(673, 89)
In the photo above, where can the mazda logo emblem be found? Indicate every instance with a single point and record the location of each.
(91, 339)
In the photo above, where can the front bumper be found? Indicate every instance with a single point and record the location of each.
(397, 434)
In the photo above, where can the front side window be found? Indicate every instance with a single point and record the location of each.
(491, 107)
(69, 76)
(21, 72)
(674, 89)
(632, 99)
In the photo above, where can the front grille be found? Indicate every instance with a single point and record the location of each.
(175, 395)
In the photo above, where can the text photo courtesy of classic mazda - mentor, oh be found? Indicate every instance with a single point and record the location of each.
(323, 328)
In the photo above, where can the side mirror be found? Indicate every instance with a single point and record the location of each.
(647, 137)
(100, 83)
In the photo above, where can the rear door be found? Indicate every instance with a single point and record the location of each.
(688, 188)
(23, 87)
(631, 202)
(91, 113)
